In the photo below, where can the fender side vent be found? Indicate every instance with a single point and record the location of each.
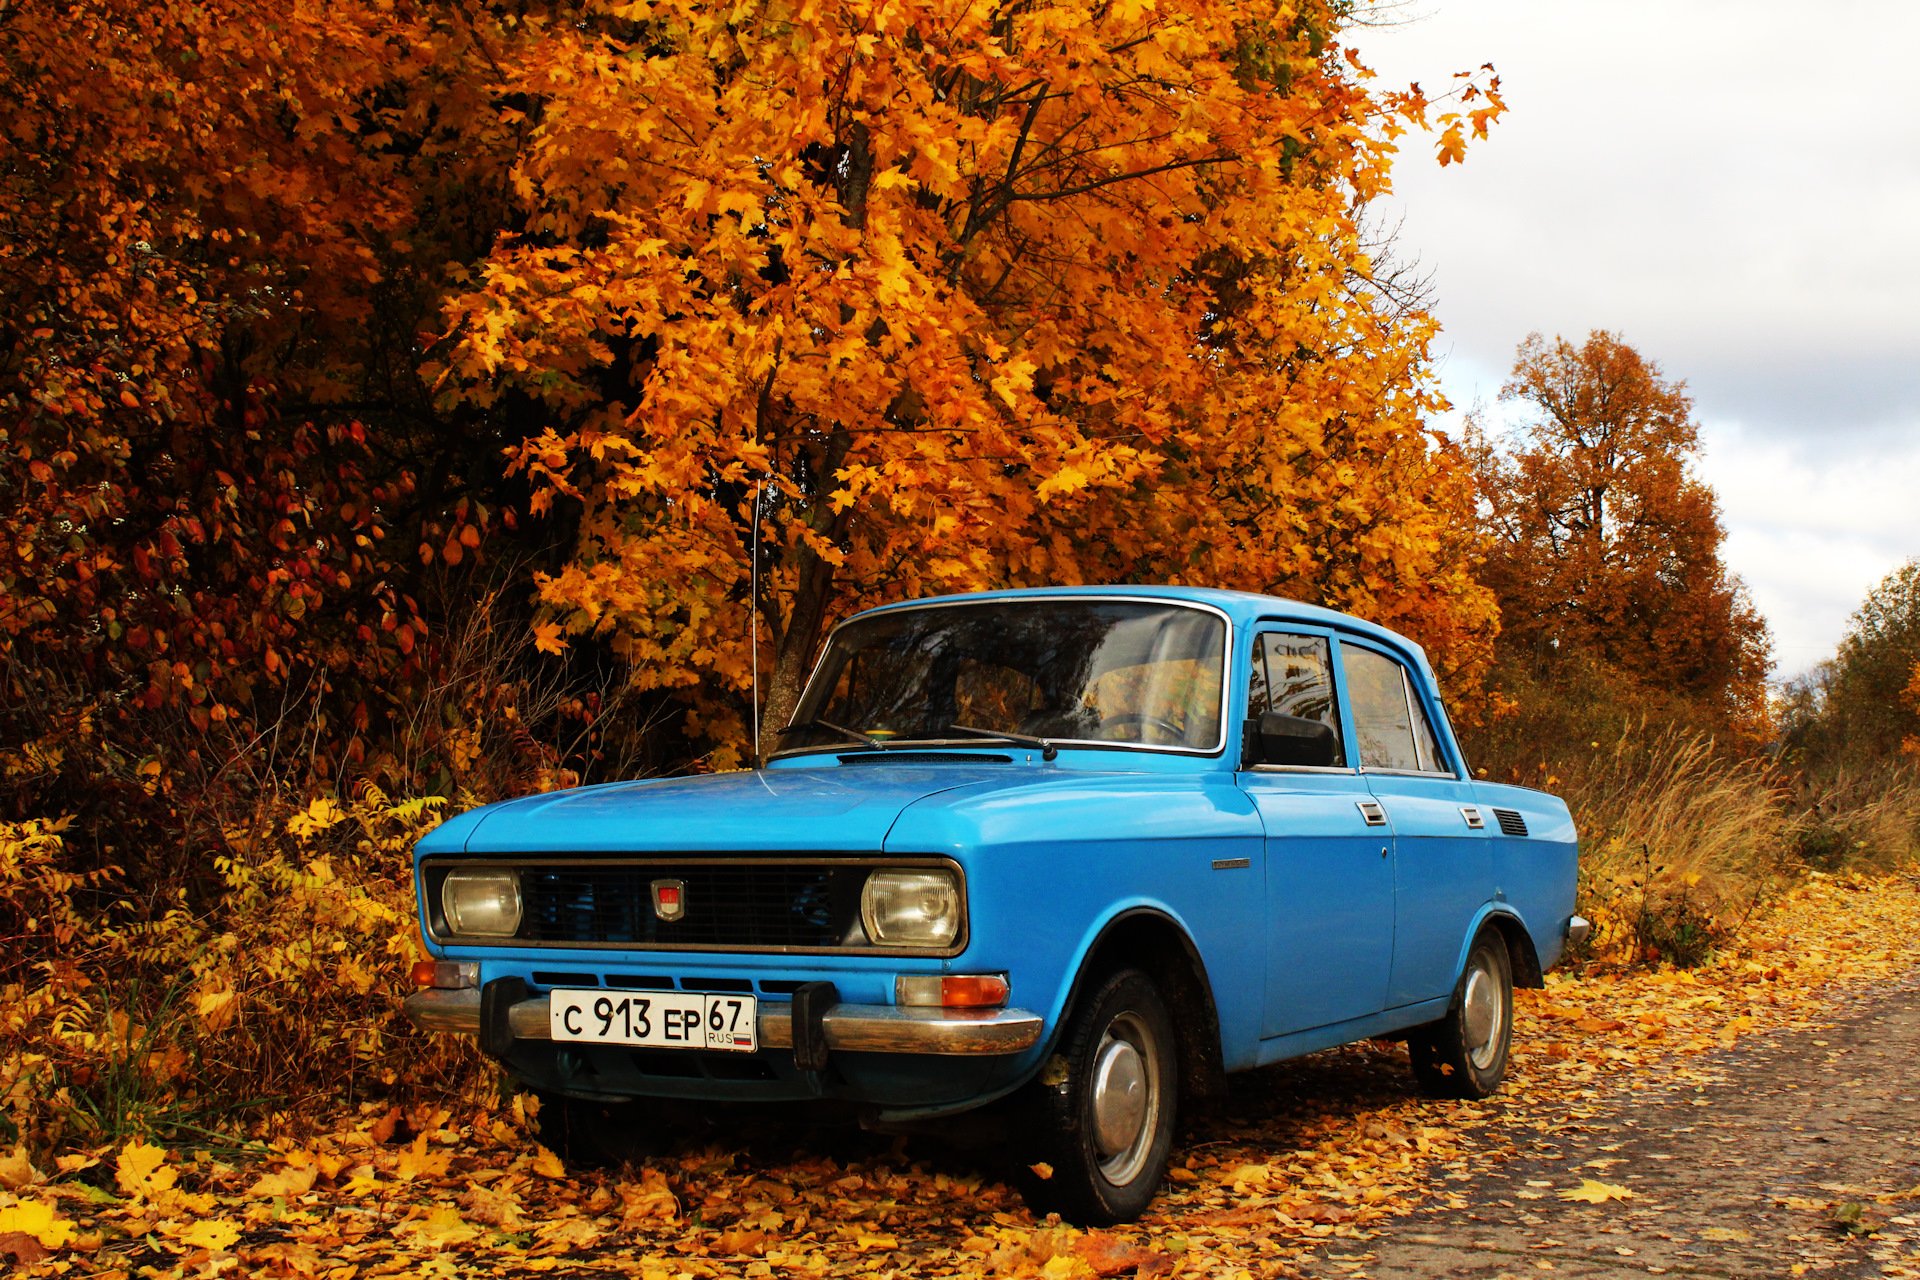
(1511, 823)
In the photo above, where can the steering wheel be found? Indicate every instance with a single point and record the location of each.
(1172, 731)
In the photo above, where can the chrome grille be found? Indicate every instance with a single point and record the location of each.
(749, 906)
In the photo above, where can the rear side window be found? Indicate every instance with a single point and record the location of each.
(1388, 720)
(1294, 676)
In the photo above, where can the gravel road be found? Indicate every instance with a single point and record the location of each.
(1799, 1155)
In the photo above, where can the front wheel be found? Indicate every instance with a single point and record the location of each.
(1107, 1101)
(1464, 1054)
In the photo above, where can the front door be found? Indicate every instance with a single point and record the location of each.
(1329, 883)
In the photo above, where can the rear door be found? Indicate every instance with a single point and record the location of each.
(1329, 883)
(1443, 859)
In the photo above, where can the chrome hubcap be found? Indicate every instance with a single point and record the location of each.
(1125, 1092)
(1484, 1017)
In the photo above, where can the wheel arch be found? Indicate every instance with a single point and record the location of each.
(1523, 957)
(1154, 943)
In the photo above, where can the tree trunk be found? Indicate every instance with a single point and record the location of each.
(799, 639)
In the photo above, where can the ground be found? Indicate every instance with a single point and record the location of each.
(1795, 1153)
(1753, 1117)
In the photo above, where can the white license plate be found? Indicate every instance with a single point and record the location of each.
(655, 1019)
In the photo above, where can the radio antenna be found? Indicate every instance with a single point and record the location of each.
(753, 619)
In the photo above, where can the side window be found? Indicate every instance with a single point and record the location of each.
(1294, 676)
(1388, 719)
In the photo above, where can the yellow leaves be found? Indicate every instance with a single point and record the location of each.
(17, 1171)
(321, 814)
(1068, 479)
(38, 1219)
(547, 637)
(215, 1234)
(142, 1172)
(548, 1165)
(648, 1198)
(1725, 1235)
(438, 1228)
(417, 1161)
(215, 1009)
(1014, 379)
(288, 1183)
(1592, 1192)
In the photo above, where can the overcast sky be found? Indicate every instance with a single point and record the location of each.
(1735, 188)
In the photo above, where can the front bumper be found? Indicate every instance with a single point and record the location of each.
(850, 1028)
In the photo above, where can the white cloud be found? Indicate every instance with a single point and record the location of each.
(1733, 187)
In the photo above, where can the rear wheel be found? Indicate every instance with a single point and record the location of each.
(1107, 1102)
(1464, 1054)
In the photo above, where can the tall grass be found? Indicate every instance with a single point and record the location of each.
(1680, 843)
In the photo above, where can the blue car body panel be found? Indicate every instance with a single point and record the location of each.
(1312, 925)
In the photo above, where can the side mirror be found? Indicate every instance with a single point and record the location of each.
(1293, 740)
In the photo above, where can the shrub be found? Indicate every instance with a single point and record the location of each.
(281, 998)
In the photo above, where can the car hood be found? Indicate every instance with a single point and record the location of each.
(850, 808)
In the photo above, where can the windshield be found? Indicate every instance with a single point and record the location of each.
(1112, 672)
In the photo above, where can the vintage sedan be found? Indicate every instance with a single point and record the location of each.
(1076, 852)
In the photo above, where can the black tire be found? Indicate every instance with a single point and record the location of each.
(1464, 1055)
(1106, 1104)
(590, 1134)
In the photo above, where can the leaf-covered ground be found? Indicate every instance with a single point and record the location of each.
(1300, 1154)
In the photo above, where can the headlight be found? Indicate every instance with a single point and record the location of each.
(482, 903)
(911, 908)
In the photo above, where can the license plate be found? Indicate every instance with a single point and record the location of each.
(655, 1019)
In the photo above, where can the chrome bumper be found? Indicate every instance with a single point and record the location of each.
(1579, 928)
(852, 1028)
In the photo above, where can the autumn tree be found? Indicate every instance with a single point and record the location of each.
(968, 296)
(1861, 709)
(304, 313)
(229, 515)
(1605, 547)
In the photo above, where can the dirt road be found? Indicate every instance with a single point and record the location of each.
(1799, 1156)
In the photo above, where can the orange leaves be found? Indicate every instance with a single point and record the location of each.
(970, 309)
(1315, 1152)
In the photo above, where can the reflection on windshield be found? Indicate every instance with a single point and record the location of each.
(1066, 670)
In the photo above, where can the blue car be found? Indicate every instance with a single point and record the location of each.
(1079, 852)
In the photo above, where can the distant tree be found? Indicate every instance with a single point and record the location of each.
(1604, 548)
(1863, 707)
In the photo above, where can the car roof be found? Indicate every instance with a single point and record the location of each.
(1243, 608)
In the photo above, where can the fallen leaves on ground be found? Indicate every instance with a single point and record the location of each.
(1322, 1148)
(1591, 1191)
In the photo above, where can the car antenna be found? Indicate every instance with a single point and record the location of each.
(753, 619)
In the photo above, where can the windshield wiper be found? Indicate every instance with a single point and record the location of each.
(851, 735)
(1047, 750)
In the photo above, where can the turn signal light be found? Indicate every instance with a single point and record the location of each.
(952, 990)
(450, 974)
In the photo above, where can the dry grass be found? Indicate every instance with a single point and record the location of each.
(1680, 843)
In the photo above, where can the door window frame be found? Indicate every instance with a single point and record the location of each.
(1342, 723)
(1415, 693)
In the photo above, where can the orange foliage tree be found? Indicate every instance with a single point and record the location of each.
(301, 311)
(220, 239)
(968, 295)
(1605, 548)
